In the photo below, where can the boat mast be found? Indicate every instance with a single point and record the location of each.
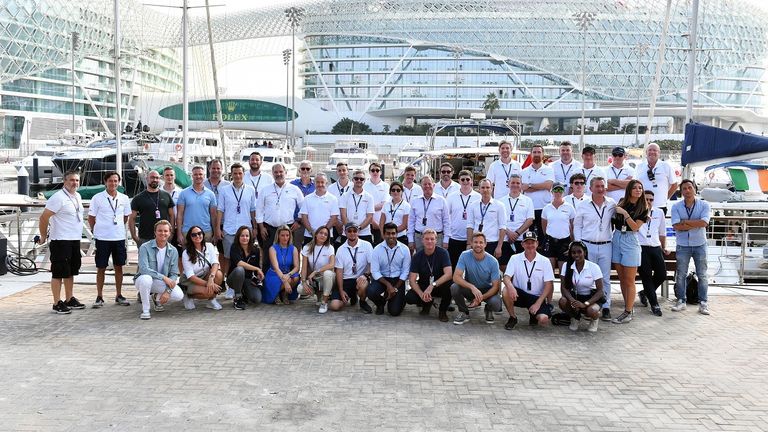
(692, 45)
(118, 126)
(219, 118)
(184, 90)
(657, 76)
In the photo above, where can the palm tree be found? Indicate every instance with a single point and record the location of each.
(491, 103)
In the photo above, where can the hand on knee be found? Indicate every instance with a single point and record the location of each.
(542, 319)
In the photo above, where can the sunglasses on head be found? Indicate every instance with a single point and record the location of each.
(197, 234)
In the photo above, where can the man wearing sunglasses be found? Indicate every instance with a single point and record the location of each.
(578, 187)
(458, 207)
(501, 169)
(428, 211)
(567, 166)
(446, 186)
(658, 176)
(379, 190)
(537, 184)
(588, 168)
(653, 241)
(275, 206)
(319, 209)
(618, 174)
(356, 207)
(306, 186)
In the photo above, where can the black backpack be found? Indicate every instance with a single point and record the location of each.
(692, 289)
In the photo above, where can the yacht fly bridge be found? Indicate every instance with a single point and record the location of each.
(273, 150)
(498, 130)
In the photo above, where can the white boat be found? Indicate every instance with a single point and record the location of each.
(202, 146)
(272, 151)
(47, 171)
(354, 152)
(408, 154)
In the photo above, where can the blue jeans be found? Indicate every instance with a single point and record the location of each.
(684, 255)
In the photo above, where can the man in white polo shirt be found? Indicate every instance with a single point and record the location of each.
(618, 174)
(236, 207)
(502, 169)
(657, 176)
(537, 184)
(319, 208)
(519, 209)
(528, 283)
(588, 167)
(64, 212)
(566, 166)
(107, 215)
(379, 190)
(357, 206)
(487, 216)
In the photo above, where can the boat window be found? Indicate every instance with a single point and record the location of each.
(288, 160)
(211, 142)
(43, 153)
(268, 159)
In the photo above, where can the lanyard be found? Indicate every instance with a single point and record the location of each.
(599, 214)
(465, 204)
(341, 189)
(114, 209)
(279, 195)
(405, 194)
(584, 170)
(483, 212)
(283, 263)
(565, 173)
(316, 257)
(256, 185)
(614, 172)
(431, 265)
(690, 212)
(445, 191)
(75, 203)
(354, 258)
(513, 207)
(390, 259)
(527, 273)
(156, 201)
(393, 210)
(357, 203)
(426, 205)
(648, 223)
(507, 173)
(215, 188)
(242, 191)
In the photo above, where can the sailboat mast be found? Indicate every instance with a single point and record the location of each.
(219, 118)
(692, 44)
(118, 125)
(657, 76)
(185, 86)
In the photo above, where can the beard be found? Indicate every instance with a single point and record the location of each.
(154, 184)
(537, 159)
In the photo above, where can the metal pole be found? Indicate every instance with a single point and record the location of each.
(286, 60)
(641, 48)
(692, 43)
(743, 249)
(583, 84)
(657, 76)
(118, 125)
(219, 118)
(74, 43)
(185, 80)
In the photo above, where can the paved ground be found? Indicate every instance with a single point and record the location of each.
(287, 368)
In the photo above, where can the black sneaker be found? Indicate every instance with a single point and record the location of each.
(365, 307)
(656, 310)
(489, 319)
(532, 321)
(511, 323)
(643, 299)
(122, 301)
(74, 304)
(425, 309)
(380, 309)
(239, 303)
(61, 308)
(98, 303)
(606, 315)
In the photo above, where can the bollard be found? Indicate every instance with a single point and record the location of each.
(22, 184)
(35, 171)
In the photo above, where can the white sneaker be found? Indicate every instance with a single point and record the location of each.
(704, 308)
(323, 308)
(189, 303)
(229, 294)
(593, 325)
(213, 304)
(574, 324)
(679, 306)
(145, 316)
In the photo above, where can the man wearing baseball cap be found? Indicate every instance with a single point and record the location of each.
(589, 169)
(528, 282)
(353, 271)
(618, 174)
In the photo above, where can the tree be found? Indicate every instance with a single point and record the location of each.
(349, 126)
(628, 128)
(491, 103)
(607, 126)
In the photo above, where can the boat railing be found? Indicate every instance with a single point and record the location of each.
(738, 245)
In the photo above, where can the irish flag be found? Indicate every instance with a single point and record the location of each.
(746, 179)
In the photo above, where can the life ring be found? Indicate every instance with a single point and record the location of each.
(178, 147)
(146, 146)
(711, 175)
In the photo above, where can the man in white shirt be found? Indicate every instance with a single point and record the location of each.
(588, 168)
(458, 205)
(64, 212)
(236, 207)
(357, 206)
(379, 190)
(214, 180)
(657, 176)
(319, 208)
(410, 189)
(337, 189)
(275, 206)
(519, 209)
(578, 190)
(353, 271)
(618, 174)
(567, 165)
(169, 184)
(446, 186)
(488, 217)
(537, 184)
(653, 241)
(158, 271)
(390, 263)
(592, 226)
(502, 169)
(429, 211)
(255, 177)
(107, 215)
(528, 283)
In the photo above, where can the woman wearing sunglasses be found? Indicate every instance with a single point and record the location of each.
(317, 266)
(200, 270)
(581, 287)
(282, 278)
(396, 211)
(245, 276)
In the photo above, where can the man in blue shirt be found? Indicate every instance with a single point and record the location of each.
(390, 263)
(196, 206)
(690, 218)
(477, 279)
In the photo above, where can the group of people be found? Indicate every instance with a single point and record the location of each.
(260, 239)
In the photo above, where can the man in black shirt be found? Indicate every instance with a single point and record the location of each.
(432, 267)
(150, 206)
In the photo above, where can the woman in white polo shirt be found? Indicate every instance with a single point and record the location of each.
(396, 210)
(317, 266)
(581, 287)
(200, 270)
(557, 223)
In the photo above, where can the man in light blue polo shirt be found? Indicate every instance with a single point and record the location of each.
(690, 218)
(196, 206)
(477, 279)
(236, 207)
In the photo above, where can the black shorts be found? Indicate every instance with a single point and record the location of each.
(350, 287)
(506, 253)
(65, 258)
(558, 248)
(115, 248)
(526, 300)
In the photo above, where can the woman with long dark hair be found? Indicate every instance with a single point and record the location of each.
(317, 266)
(396, 210)
(282, 278)
(200, 270)
(631, 214)
(245, 276)
(581, 287)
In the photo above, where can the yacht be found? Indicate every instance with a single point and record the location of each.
(47, 172)
(202, 146)
(408, 154)
(272, 151)
(354, 152)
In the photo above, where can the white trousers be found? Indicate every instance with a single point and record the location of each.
(601, 255)
(146, 285)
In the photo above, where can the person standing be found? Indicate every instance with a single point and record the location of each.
(631, 213)
(430, 276)
(557, 223)
(592, 225)
(107, 215)
(577, 188)
(235, 207)
(537, 184)
(618, 174)
(690, 218)
(528, 283)
(502, 169)
(520, 210)
(307, 187)
(589, 168)
(64, 213)
(477, 279)
(158, 271)
(338, 189)
(411, 190)
(196, 207)
(255, 177)
(566, 166)
(357, 206)
(458, 205)
(396, 210)
(275, 207)
(353, 271)
(428, 211)
(657, 176)
(653, 242)
(390, 262)
(488, 217)
(378, 189)
(151, 206)
(169, 184)
(214, 181)
(319, 209)
(446, 186)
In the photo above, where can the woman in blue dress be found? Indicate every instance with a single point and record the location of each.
(282, 278)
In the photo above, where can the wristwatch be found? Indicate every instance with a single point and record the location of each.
(586, 303)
